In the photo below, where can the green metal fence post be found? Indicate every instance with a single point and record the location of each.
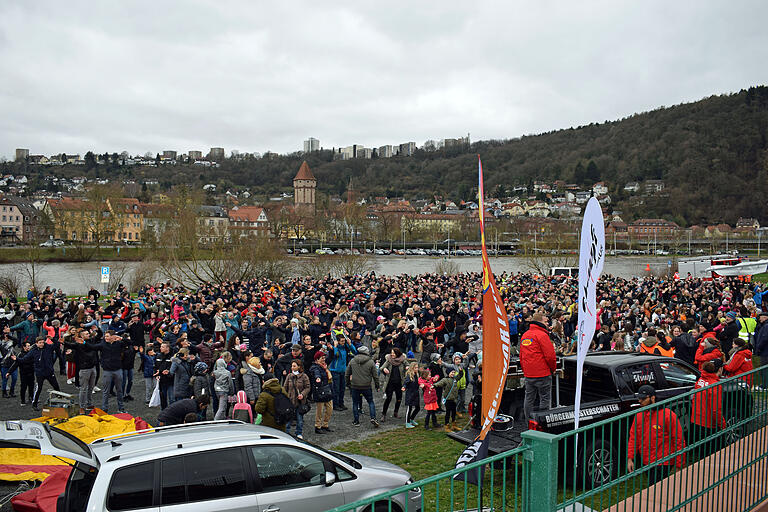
(539, 472)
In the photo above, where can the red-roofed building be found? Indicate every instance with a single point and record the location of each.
(648, 228)
(248, 220)
(304, 186)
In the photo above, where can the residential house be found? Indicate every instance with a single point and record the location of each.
(618, 229)
(35, 225)
(157, 219)
(432, 222)
(747, 227)
(632, 186)
(80, 220)
(513, 209)
(600, 188)
(537, 209)
(566, 210)
(717, 231)
(11, 222)
(213, 222)
(128, 219)
(653, 186)
(248, 221)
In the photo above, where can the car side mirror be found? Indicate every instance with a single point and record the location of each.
(330, 478)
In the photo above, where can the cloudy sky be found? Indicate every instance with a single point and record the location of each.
(256, 76)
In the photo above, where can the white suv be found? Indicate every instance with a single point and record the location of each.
(216, 465)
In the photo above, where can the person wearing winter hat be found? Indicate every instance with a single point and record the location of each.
(360, 372)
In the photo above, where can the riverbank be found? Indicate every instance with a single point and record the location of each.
(70, 254)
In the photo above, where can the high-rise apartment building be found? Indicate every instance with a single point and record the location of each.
(311, 144)
(216, 154)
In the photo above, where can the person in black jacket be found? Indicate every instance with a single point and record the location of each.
(111, 350)
(163, 370)
(684, 344)
(256, 336)
(26, 372)
(87, 359)
(174, 414)
(44, 355)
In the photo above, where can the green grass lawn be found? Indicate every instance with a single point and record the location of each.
(761, 278)
(425, 453)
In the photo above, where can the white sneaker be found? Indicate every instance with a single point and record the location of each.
(70, 381)
(96, 388)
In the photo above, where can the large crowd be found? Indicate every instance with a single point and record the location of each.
(271, 352)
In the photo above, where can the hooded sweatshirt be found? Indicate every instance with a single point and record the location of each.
(223, 382)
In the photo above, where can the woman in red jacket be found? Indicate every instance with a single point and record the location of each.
(707, 408)
(709, 350)
(740, 361)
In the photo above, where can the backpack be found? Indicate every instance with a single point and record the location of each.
(242, 410)
(284, 409)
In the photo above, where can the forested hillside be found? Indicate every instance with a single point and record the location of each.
(711, 154)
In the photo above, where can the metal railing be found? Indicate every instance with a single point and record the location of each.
(691, 451)
(687, 457)
(501, 488)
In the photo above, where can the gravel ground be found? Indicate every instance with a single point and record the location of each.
(341, 421)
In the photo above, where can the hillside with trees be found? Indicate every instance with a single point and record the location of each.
(712, 156)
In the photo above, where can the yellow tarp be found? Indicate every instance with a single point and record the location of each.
(20, 463)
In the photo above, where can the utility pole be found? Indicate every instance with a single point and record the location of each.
(689, 242)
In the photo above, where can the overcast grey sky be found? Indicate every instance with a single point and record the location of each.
(255, 76)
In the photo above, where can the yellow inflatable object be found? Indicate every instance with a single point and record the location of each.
(29, 464)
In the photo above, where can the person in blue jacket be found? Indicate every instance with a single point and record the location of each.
(342, 348)
(44, 355)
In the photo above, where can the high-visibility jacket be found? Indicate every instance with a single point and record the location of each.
(656, 434)
(747, 327)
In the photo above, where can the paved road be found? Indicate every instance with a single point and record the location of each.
(341, 421)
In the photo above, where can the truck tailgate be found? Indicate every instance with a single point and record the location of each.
(499, 442)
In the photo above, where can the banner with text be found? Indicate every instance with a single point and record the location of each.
(496, 348)
(591, 259)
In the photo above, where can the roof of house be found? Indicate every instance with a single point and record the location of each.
(245, 213)
(304, 173)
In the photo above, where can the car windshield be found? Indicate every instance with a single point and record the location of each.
(346, 458)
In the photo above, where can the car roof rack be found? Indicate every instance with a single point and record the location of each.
(168, 427)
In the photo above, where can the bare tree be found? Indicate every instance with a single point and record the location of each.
(446, 267)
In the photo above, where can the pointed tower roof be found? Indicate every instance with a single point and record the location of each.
(304, 173)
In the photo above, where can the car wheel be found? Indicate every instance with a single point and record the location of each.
(601, 464)
(383, 507)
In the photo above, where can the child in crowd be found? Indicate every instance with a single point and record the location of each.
(426, 383)
(411, 389)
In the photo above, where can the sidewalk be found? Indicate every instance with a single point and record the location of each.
(736, 473)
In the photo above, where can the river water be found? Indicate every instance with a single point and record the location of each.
(77, 278)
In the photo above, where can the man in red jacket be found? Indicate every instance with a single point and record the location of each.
(537, 358)
(656, 434)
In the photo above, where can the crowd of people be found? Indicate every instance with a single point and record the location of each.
(271, 352)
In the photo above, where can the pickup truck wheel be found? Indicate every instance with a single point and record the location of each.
(732, 418)
(601, 464)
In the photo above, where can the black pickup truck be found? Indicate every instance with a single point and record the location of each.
(610, 382)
